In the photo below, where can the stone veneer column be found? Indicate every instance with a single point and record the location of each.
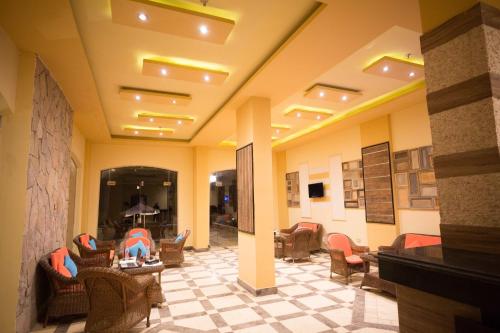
(462, 70)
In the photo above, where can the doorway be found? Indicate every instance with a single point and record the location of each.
(137, 196)
(223, 206)
(71, 204)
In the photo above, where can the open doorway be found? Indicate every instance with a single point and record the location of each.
(223, 206)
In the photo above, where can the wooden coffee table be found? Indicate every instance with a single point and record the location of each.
(155, 292)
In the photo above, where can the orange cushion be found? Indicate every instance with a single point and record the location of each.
(132, 241)
(340, 242)
(354, 259)
(84, 239)
(111, 254)
(312, 226)
(414, 240)
(137, 230)
(57, 261)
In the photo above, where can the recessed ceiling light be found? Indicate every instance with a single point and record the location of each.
(386, 68)
(298, 115)
(318, 117)
(321, 94)
(179, 122)
(174, 101)
(412, 74)
(164, 72)
(203, 29)
(151, 120)
(277, 131)
(206, 78)
(136, 132)
(142, 17)
(344, 98)
(137, 97)
(161, 133)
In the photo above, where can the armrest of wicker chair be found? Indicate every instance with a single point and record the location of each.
(95, 261)
(109, 245)
(289, 230)
(386, 248)
(357, 249)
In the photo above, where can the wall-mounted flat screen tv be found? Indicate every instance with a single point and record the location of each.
(316, 190)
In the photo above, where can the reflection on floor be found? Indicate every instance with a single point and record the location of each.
(223, 236)
(203, 296)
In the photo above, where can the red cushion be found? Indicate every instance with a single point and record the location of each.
(415, 240)
(312, 226)
(57, 261)
(132, 241)
(84, 239)
(137, 230)
(340, 242)
(354, 259)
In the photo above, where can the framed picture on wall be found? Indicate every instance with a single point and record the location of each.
(293, 189)
(245, 188)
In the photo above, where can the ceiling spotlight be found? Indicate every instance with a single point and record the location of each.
(151, 120)
(161, 133)
(163, 72)
(344, 98)
(137, 97)
(179, 122)
(174, 101)
(142, 17)
(298, 115)
(136, 132)
(412, 74)
(203, 29)
(277, 131)
(318, 117)
(386, 68)
(206, 78)
(321, 94)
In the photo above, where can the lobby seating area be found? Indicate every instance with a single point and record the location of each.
(216, 166)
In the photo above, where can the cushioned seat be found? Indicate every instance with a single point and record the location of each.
(354, 259)
(344, 255)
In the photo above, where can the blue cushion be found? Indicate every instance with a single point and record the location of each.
(139, 234)
(70, 265)
(132, 251)
(179, 238)
(92, 244)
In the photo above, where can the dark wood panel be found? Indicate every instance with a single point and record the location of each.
(463, 93)
(378, 183)
(468, 163)
(475, 16)
(471, 238)
(244, 174)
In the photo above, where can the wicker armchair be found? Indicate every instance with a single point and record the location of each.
(344, 256)
(296, 245)
(172, 253)
(105, 251)
(127, 242)
(67, 294)
(145, 232)
(410, 240)
(118, 301)
(315, 240)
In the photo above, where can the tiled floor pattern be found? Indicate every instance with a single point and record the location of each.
(203, 296)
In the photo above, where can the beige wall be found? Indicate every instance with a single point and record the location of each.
(78, 146)
(13, 176)
(9, 58)
(408, 128)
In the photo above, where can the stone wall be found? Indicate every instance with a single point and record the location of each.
(47, 189)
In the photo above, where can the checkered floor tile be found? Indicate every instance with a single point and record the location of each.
(203, 296)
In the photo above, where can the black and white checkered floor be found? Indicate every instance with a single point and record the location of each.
(203, 296)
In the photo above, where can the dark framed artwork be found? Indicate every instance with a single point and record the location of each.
(245, 186)
(377, 176)
(293, 189)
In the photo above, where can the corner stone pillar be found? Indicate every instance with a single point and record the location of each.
(462, 71)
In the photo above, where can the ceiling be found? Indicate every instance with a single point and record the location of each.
(266, 48)
(116, 53)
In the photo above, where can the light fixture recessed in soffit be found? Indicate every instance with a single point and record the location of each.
(396, 68)
(154, 96)
(175, 18)
(330, 93)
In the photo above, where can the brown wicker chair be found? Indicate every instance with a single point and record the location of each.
(118, 301)
(67, 294)
(344, 256)
(152, 248)
(409, 240)
(315, 241)
(296, 245)
(172, 253)
(105, 251)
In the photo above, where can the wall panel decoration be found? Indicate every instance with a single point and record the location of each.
(354, 193)
(244, 174)
(415, 179)
(379, 206)
(336, 188)
(293, 190)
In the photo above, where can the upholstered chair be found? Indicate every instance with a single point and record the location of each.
(315, 240)
(411, 240)
(105, 250)
(145, 233)
(128, 242)
(296, 245)
(172, 250)
(118, 301)
(344, 255)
